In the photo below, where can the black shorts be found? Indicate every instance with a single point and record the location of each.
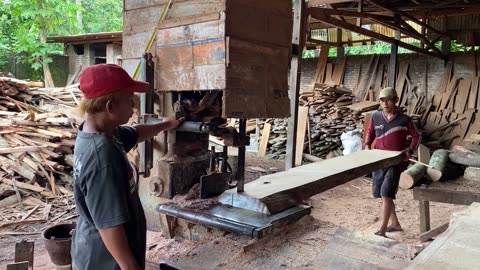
(385, 182)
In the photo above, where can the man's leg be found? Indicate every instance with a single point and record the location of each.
(387, 204)
(394, 223)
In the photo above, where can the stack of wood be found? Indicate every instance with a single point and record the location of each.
(37, 136)
(324, 115)
(329, 117)
(451, 118)
(274, 133)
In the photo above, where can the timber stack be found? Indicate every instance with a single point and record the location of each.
(37, 136)
(326, 114)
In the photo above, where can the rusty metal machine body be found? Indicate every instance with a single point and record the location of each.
(207, 63)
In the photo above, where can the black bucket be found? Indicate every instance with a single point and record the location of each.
(57, 241)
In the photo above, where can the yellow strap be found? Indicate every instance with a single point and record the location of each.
(154, 34)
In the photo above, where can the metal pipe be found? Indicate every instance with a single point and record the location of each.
(198, 127)
(206, 220)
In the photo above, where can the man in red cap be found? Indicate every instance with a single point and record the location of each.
(111, 228)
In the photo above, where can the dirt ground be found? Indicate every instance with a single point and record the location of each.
(350, 206)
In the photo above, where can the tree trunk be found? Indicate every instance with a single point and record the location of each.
(43, 39)
(79, 16)
(412, 175)
(438, 161)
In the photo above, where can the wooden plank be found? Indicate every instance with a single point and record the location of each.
(276, 192)
(445, 196)
(17, 167)
(23, 185)
(400, 87)
(20, 149)
(457, 247)
(358, 89)
(447, 96)
(301, 131)
(462, 95)
(339, 72)
(328, 73)
(424, 207)
(364, 106)
(433, 232)
(262, 149)
(17, 266)
(24, 252)
(423, 154)
(472, 98)
(322, 64)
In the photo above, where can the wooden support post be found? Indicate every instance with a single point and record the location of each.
(167, 224)
(340, 48)
(392, 68)
(446, 44)
(360, 9)
(298, 41)
(424, 207)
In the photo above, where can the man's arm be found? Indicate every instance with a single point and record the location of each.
(370, 135)
(147, 131)
(413, 132)
(116, 242)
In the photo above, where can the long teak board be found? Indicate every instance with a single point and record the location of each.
(276, 192)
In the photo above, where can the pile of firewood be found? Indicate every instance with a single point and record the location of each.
(37, 136)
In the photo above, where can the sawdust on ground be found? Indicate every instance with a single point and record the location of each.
(350, 205)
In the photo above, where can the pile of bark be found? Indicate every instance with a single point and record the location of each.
(37, 136)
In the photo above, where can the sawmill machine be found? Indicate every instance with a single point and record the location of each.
(210, 60)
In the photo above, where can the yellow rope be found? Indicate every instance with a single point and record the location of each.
(154, 34)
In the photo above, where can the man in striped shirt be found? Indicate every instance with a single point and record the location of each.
(390, 128)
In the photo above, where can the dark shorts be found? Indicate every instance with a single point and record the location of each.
(385, 182)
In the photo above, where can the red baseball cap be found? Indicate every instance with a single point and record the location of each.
(103, 79)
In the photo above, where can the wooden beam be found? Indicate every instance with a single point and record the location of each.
(392, 67)
(445, 196)
(320, 15)
(424, 207)
(276, 192)
(406, 15)
(433, 232)
(298, 41)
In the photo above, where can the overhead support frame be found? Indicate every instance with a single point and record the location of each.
(325, 16)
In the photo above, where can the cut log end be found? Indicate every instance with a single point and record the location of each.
(434, 174)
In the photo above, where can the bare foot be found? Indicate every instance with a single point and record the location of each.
(394, 229)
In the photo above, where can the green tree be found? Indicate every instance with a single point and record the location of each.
(35, 20)
(102, 15)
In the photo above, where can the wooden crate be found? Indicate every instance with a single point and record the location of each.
(239, 46)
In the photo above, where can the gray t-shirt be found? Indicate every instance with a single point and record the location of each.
(106, 195)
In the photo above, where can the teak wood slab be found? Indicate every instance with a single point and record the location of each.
(276, 192)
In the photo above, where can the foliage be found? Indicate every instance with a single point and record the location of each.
(22, 22)
(102, 16)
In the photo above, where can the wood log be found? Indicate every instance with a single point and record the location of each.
(412, 175)
(465, 158)
(472, 174)
(276, 192)
(437, 161)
